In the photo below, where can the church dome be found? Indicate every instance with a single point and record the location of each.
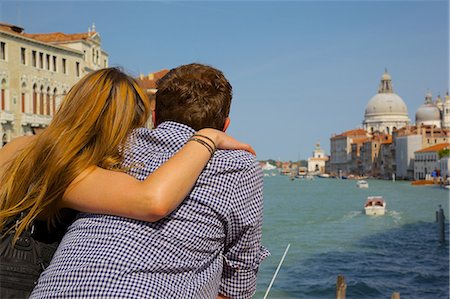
(386, 103)
(427, 112)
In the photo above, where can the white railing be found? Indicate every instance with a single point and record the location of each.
(35, 119)
(6, 116)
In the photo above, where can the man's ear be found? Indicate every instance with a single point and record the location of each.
(154, 118)
(227, 123)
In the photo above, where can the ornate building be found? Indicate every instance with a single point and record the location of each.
(36, 71)
(435, 114)
(386, 111)
(316, 163)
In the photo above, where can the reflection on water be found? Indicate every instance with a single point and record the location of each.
(330, 235)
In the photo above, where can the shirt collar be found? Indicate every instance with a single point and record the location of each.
(171, 125)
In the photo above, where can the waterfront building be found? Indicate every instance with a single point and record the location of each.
(148, 83)
(386, 111)
(317, 162)
(426, 161)
(444, 168)
(341, 150)
(376, 152)
(414, 138)
(37, 70)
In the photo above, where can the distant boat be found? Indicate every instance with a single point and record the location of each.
(362, 184)
(323, 175)
(375, 205)
(309, 177)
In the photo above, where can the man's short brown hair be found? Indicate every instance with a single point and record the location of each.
(195, 95)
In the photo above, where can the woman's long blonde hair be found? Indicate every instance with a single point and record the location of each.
(90, 128)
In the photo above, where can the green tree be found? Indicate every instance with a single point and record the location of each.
(444, 153)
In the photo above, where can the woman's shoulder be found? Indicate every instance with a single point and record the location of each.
(10, 150)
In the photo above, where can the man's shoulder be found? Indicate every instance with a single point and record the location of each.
(235, 159)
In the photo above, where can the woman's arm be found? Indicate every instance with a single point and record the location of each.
(102, 191)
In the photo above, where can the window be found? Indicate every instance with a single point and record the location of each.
(23, 54)
(41, 60)
(104, 63)
(33, 58)
(34, 99)
(55, 91)
(54, 63)
(3, 100)
(77, 68)
(2, 51)
(41, 102)
(47, 61)
(23, 98)
(64, 69)
(47, 106)
(93, 55)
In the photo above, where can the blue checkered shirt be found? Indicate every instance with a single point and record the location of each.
(209, 245)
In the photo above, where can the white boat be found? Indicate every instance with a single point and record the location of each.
(323, 175)
(375, 205)
(362, 184)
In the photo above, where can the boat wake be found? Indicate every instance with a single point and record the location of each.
(396, 216)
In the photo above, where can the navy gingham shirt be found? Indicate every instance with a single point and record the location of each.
(209, 245)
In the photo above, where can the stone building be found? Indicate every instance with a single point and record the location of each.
(386, 111)
(316, 163)
(341, 157)
(37, 70)
(434, 113)
(410, 139)
(426, 161)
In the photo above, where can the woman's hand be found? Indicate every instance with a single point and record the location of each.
(224, 141)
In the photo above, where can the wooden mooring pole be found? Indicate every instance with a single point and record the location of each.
(341, 286)
(395, 295)
(441, 224)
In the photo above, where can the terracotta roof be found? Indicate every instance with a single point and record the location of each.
(360, 139)
(10, 28)
(434, 148)
(149, 81)
(355, 132)
(59, 36)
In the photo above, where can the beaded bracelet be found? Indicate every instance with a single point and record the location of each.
(204, 143)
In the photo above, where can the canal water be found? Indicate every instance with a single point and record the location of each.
(323, 220)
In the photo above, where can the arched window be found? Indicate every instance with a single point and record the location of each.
(35, 99)
(55, 91)
(47, 108)
(41, 102)
(387, 130)
(3, 95)
(23, 98)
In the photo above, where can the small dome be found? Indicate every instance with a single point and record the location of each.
(427, 113)
(386, 103)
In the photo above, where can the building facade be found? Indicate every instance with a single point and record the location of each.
(37, 70)
(316, 163)
(341, 151)
(426, 162)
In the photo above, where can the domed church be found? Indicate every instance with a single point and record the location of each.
(385, 111)
(435, 114)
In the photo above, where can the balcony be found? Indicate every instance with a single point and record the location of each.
(6, 116)
(35, 120)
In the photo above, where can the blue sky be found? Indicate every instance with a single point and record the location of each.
(300, 70)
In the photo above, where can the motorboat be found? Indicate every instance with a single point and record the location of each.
(362, 184)
(375, 205)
